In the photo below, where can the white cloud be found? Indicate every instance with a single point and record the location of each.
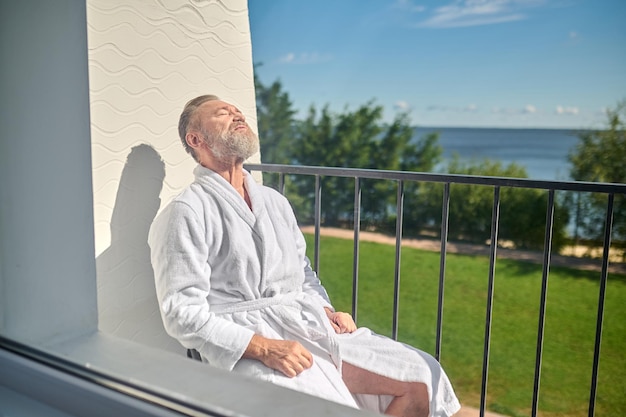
(402, 106)
(287, 58)
(463, 13)
(304, 58)
(452, 109)
(530, 109)
(436, 107)
(566, 110)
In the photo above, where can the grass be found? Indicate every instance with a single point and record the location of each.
(569, 325)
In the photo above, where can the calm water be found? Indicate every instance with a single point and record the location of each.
(543, 152)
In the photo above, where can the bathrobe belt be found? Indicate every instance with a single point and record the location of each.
(296, 313)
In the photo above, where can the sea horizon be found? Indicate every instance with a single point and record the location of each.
(543, 152)
(503, 127)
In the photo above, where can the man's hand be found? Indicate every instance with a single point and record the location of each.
(286, 356)
(341, 322)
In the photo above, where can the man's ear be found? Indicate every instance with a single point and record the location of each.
(194, 140)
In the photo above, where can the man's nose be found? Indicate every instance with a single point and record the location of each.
(238, 116)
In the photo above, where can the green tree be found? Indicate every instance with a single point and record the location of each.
(275, 119)
(359, 139)
(522, 211)
(397, 150)
(599, 157)
(336, 140)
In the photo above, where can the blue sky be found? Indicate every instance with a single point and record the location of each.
(489, 63)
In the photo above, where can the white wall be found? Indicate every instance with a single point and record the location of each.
(147, 58)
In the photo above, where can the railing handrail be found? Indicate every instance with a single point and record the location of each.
(598, 187)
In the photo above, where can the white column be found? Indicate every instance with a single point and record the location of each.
(47, 268)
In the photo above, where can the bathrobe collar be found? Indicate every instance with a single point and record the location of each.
(209, 178)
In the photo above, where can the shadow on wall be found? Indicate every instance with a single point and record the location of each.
(127, 303)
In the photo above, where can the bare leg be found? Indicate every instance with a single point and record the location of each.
(411, 398)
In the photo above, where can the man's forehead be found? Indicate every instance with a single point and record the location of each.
(215, 105)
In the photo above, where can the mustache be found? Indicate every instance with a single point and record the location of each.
(238, 124)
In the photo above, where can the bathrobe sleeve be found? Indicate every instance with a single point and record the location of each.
(312, 284)
(179, 254)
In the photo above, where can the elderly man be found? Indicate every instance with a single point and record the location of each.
(233, 283)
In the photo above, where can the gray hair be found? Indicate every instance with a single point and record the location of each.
(187, 119)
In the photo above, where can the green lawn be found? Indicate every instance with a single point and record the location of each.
(569, 328)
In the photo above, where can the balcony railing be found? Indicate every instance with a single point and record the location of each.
(401, 177)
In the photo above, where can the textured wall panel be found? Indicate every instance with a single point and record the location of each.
(147, 58)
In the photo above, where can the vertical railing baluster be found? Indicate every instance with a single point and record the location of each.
(355, 260)
(318, 215)
(281, 183)
(495, 221)
(608, 227)
(547, 250)
(445, 207)
(396, 277)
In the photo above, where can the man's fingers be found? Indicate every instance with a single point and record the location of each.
(342, 322)
(289, 372)
(292, 369)
(308, 359)
(286, 356)
(290, 358)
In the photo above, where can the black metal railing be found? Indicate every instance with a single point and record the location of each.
(447, 179)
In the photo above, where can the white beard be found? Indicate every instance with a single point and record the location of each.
(237, 144)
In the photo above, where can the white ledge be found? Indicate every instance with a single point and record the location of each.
(195, 383)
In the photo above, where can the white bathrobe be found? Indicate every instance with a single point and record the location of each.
(224, 272)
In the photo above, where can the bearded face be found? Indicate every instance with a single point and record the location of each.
(237, 141)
